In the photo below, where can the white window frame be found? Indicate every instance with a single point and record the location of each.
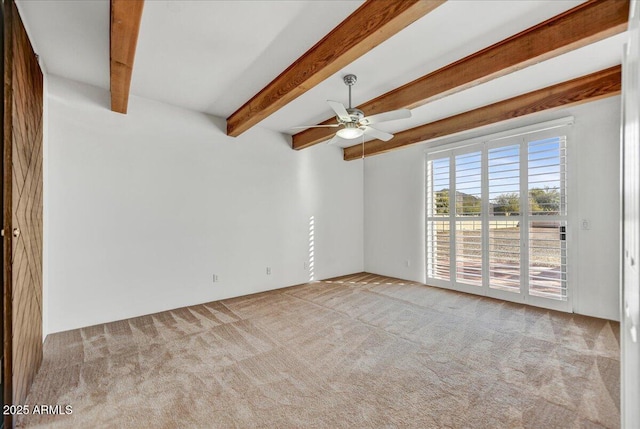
(520, 136)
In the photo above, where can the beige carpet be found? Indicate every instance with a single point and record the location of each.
(362, 351)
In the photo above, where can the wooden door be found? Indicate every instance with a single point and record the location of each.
(22, 210)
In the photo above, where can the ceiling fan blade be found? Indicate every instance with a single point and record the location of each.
(386, 116)
(381, 135)
(316, 126)
(340, 110)
(334, 140)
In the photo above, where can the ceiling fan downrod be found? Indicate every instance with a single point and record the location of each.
(350, 80)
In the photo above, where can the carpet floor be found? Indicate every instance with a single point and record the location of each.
(361, 351)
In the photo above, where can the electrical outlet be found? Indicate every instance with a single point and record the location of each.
(407, 263)
(268, 270)
(585, 224)
(215, 278)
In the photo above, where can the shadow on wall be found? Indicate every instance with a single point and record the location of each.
(221, 125)
(80, 93)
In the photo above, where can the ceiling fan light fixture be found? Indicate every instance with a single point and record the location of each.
(350, 133)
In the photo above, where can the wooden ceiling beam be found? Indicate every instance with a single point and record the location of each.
(605, 83)
(371, 24)
(125, 25)
(587, 23)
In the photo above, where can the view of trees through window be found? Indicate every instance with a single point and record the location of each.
(544, 200)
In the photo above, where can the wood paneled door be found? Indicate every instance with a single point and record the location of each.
(22, 210)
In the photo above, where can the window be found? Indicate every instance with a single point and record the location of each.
(548, 218)
(497, 218)
(438, 238)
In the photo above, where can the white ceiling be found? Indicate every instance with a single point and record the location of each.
(212, 56)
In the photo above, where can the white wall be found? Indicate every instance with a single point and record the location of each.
(394, 205)
(143, 209)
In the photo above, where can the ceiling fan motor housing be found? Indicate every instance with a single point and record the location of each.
(355, 114)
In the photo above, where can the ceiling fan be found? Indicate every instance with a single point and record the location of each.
(354, 124)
